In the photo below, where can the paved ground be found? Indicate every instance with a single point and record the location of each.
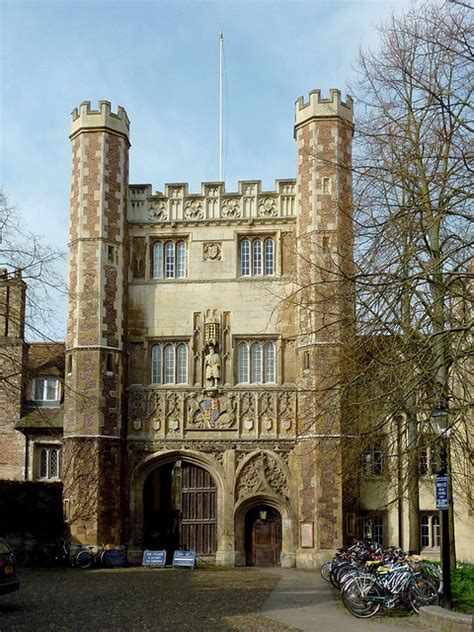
(306, 602)
(137, 599)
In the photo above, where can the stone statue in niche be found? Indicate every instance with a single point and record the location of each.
(213, 367)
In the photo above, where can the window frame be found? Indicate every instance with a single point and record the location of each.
(173, 367)
(45, 401)
(374, 466)
(430, 530)
(251, 361)
(254, 257)
(374, 524)
(169, 258)
(47, 450)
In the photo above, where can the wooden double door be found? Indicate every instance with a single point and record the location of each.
(180, 502)
(263, 536)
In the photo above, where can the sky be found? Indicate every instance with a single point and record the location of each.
(160, 61)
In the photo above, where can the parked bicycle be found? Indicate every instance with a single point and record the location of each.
(370, 577)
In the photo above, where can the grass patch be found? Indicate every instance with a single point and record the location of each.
(462, 586)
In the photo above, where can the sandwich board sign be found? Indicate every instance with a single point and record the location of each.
(154, 558)
(186, 559)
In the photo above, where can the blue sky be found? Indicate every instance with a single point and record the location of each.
(160, 60)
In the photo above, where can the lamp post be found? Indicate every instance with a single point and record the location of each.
(439, 416)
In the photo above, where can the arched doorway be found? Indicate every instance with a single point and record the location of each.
(179, 503)
(263, 536)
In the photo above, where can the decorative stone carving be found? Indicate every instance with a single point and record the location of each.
(193, 209)
(230, 208)
(247, 410)
(248, 189)
(268, 207)
(287, 410)
(212, 328)
(215, 413)
(212, 251)
(158, 212)
(262, 474)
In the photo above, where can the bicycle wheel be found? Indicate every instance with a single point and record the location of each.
(326, 570)
(362, 596)
(84, 559)
(421, 592)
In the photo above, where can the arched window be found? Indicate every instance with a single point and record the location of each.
(256, 362)
(44, 463)
(269, 257)
(156, 365)
(257, 257)
(180, 259)
(47, 462)
(54, 463)
(169, 259)
(243, 362)
(429, 530)
(269, 362)
(245, 257)
(169, 363)
(158, 260)
(182, 364)
(425, 531)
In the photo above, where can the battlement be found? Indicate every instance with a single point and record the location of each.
(85, 117)
(318, 107)
(212, 203)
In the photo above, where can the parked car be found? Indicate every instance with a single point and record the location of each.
(8, 579)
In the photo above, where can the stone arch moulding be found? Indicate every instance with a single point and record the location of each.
(137, 481)
(288, 543)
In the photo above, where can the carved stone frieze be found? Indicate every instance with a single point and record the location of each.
(262, 474)
(194, 209)
(268, 207)
(230, 208)
(258, 413)
(158, 212)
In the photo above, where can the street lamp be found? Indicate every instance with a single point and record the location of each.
(439, 417)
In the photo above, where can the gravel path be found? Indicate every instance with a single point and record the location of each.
(136, 599)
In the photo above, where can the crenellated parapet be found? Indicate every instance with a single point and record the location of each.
(318, 107)
(85, 117)
(177, 204)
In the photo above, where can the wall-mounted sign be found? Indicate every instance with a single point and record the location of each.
(154, 558)
(307, 535)
(442, 495)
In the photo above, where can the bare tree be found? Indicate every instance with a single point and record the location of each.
(409, 348)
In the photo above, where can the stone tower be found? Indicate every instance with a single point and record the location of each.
(95, 342)
(323, 133)
(12, 363)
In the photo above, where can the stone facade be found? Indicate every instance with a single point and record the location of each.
(205, 330)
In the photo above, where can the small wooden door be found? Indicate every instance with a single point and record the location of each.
(264, 543)
(263, 536)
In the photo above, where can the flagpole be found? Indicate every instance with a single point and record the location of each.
(221, 106)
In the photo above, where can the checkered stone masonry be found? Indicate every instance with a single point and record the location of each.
(96, 326)
(323, 132)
